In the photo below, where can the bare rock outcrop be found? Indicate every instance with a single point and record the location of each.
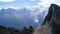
(51, 23)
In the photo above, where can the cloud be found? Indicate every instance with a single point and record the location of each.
(41, 6)
(47, 2)
(13, 7)
(32, 0)
(44, 3)
(36, 20)
(7, 0)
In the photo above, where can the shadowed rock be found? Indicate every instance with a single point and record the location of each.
(51, 23)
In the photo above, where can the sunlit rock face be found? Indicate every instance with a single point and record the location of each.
(51, 23)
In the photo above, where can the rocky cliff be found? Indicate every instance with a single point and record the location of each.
(51, 23)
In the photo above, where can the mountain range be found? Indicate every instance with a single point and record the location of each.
(18, 18)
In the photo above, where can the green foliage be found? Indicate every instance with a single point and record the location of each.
(2, 27)
(27, 30)
(9, 30)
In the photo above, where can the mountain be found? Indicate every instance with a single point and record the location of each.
(51, 24)
(19, 18)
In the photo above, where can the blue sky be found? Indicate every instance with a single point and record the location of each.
(18, 3)
(26, 3)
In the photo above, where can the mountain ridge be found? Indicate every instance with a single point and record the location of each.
(51, 24)
(19, 18)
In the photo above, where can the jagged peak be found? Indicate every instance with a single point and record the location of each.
(54, 5)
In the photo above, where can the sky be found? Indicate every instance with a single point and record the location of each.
(27, 3)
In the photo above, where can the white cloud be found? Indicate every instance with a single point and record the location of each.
(13, 7)
(46, 3)
(36, 20)
(32, 0)
(43, 5)
(7, 0)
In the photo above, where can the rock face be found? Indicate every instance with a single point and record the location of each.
(51, 23)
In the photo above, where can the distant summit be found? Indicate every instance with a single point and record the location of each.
(52, 12)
